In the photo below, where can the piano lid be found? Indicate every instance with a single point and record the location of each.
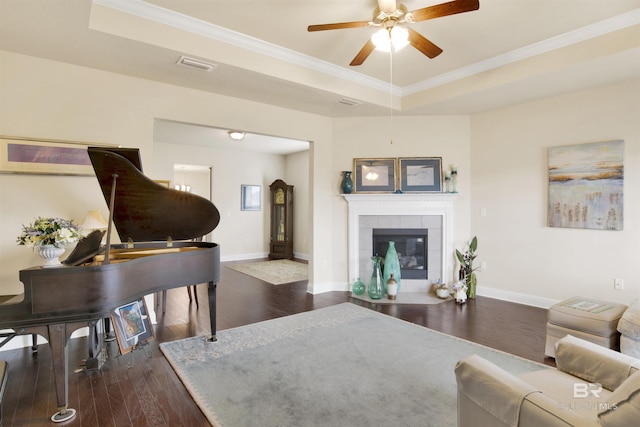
(145, 210)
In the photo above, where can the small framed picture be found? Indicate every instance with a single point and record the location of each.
(251, 197)
(375, 175)
(132, 324)
(420, 174)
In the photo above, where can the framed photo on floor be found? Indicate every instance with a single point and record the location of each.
(375, 175)
(420, 174)
(132, 324)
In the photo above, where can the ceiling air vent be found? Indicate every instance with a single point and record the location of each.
(197, 64)
(348, 102)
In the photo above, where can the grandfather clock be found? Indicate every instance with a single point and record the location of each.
(281, 245)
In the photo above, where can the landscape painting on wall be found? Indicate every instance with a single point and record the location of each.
(586, 184)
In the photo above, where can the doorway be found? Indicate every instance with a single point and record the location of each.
(194, 179)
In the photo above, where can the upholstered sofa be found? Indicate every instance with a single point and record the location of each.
(591, 386)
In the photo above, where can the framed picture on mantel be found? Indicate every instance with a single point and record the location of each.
(375, 175)
(420, 174)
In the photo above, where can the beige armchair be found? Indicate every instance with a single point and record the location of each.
(592, 386)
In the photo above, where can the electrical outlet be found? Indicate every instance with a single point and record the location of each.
(483, 265)
(618, 284)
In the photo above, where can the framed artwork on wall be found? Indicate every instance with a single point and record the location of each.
(586, 186)
(375, 175)
(44, 156)
(420, 174)
(251, 197)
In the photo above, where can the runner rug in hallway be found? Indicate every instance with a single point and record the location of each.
(276, 272)
(343, 365)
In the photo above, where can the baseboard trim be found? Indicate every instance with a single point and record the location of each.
(517, 297)
(257, 256)
(244, 257)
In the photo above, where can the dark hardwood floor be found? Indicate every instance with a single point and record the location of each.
(141, 389)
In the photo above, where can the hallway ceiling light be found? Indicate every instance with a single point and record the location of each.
(236, 135)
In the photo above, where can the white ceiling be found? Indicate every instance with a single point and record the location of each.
(172, 132)
(507, 52)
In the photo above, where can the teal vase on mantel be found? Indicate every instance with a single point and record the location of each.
(347, 183)
(391, 265)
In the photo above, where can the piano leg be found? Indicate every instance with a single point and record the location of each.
(108, 336)
(212, 311)
(58, 338)
(93, 362)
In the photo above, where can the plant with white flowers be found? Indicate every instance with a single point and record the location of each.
(49, 231)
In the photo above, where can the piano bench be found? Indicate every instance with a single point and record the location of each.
(3, 383)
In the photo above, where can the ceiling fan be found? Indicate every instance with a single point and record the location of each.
(392, 19)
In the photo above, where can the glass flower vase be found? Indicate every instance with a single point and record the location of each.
(376, 288)
(472, 281)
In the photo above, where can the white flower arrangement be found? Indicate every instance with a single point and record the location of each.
(49, 231)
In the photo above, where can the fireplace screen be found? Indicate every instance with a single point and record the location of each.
(411, 245)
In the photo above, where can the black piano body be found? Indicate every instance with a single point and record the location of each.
(158, 225)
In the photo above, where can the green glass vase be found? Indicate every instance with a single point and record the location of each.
(376, 287)
(391, 265)
(358, 287)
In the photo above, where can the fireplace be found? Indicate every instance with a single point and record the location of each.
(427, 211)
(411, 246)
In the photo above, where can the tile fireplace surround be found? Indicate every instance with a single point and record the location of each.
(433, 211)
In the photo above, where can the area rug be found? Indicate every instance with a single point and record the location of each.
(342, 365)
(276, 272)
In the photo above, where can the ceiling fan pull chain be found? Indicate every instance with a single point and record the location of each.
(391, 96)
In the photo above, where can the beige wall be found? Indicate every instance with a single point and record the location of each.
(524, 257)
(297, 174)
(46, 99)
(501, 156)
(447, 137)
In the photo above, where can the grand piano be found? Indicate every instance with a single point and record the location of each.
(158, 228)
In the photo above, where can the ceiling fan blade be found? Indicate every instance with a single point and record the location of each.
(337, 26)
(445, 9)
(363, 54)
(418, 41)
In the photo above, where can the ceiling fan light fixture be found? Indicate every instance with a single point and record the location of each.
(385, 39)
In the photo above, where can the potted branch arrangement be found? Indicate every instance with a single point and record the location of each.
(466, 273)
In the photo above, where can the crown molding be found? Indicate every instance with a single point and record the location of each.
(174, 19)
(202, 28)
(563, 40)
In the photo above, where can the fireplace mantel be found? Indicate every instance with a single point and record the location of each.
(429, 204)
